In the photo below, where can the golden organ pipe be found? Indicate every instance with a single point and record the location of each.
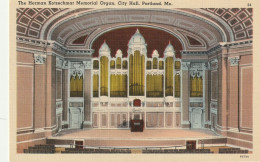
(169, 77)
(196, 86)
(137, 73)
(104, 76)
(95, 85)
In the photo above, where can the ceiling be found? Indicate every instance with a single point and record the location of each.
(196, 29)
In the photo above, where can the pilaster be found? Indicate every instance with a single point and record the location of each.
(206, 96)
(39, 91)
(65, 95)
(87, 93)
(51, 92)
(233, 67)
(185, 94)
(222, 93)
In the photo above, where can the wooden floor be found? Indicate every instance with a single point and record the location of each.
(126, 138)
(127, 134)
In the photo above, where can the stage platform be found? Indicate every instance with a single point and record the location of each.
(126, 138)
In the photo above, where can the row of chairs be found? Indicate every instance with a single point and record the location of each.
(45, 146)
(178, 151)
(51, 149)
(86, 150)
(41, 149)
(228, 149)
(232, 151)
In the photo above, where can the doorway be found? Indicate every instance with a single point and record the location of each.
(196, 118)
(75, 118)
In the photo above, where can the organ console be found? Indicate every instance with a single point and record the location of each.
(190, 145)
(137, 125)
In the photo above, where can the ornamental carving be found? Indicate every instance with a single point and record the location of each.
(59, 62)
(214, 64)
(198, 66)
(185, 65)
(195, 73)
(155, 72)
(39, 58)
(76, 72)
(129, 51)
(77, 69)
(87, 64)
(234, 60)
(196, 69)
(95, 72)
(65, 65)
(119, 72)
(76, 65)
(144, 50)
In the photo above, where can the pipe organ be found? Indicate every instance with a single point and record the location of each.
(139, 87)
(142, 69)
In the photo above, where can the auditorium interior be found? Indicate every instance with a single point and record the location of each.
(134, 80)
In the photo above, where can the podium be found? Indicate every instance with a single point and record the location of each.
(137, 125)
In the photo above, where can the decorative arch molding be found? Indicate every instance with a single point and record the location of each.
(203, 44)
(175, 33)
(231, 34)
(180, 34)
(52, 26)
(48, 25)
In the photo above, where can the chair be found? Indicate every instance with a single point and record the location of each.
(25, 151)
(235, 148)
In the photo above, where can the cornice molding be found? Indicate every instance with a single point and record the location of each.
(219, 47)
(55, 46)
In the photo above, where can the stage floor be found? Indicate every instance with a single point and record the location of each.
(127, 134)
(149, 137)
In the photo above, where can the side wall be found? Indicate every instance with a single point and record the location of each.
(36, 95)
(235, 115)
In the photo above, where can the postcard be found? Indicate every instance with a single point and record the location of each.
(133, 80)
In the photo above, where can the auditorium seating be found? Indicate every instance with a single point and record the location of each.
(41, 149)
(232, 151)
(95, 150)
(50, 149)
(199, 151)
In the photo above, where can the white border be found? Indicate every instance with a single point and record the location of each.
(4, 86)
